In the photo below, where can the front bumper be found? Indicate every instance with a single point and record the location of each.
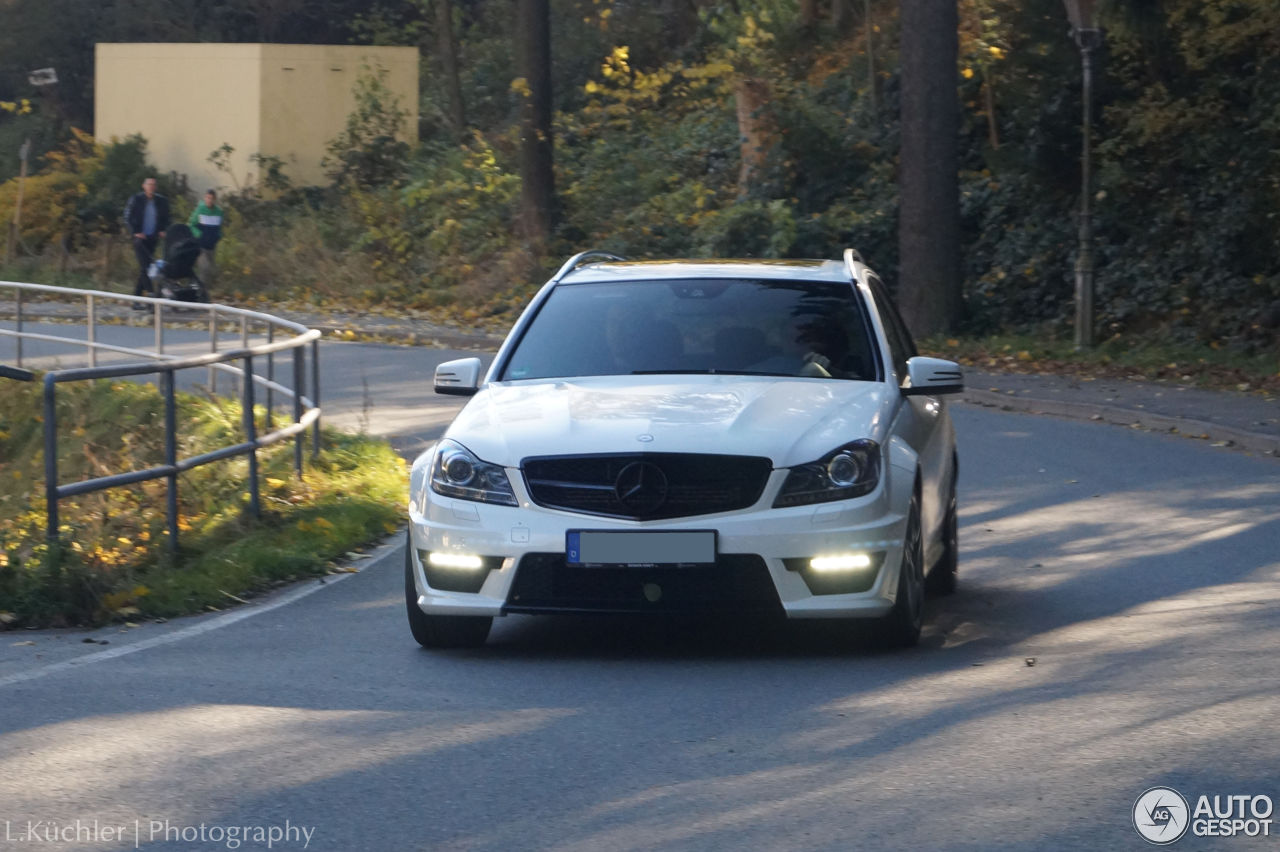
(758, 548)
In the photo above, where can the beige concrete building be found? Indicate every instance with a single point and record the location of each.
(286, 100)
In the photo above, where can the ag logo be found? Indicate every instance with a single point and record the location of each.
(1161, 815)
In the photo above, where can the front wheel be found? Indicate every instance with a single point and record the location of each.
(903, 623)
(440, 631)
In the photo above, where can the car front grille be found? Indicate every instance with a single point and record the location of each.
(646, 486)
(736, 582)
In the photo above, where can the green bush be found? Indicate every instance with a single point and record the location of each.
(370, 151)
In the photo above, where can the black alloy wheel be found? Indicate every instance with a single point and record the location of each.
(904, 622)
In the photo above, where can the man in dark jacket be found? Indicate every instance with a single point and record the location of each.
(146, 215)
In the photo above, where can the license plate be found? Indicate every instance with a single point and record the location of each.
(650, 547)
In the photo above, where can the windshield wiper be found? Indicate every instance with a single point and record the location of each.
(710, 373)
(673, 372)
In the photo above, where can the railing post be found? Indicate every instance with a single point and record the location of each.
(213, 347)
(244, 334)
(50, 459)
(18, 339)
(159, 315)
(299, 373)
(93, 331)
(271, 372)
(250, 435)
(171, 458)
(315, 396)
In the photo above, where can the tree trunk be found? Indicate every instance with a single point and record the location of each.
(757, 130)
(873, 76)
(841, 16)
(989, 100)
(447, 47)
(537, 192)
(929, 189)
(808, 13)
(679, 21)
(104, 275)
(15, 227)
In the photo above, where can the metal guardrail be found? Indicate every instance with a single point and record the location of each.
(306, 411)
(14, 373)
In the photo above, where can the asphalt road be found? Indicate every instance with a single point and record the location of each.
(1115, 630)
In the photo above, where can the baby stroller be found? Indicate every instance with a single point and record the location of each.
(175, 276)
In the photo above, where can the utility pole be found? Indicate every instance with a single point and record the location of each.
(1088, 38)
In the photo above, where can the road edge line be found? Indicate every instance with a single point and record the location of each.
(217, 623)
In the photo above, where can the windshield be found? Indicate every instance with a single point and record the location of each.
(739, 326)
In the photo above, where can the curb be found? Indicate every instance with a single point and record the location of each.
(437, 337)
(1229, 436)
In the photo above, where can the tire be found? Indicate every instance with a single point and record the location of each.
(903, 623)
(440, 631)
(942, 579)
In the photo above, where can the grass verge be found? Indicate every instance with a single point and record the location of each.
(111, 561)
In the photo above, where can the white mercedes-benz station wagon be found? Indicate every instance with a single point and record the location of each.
(690, 436)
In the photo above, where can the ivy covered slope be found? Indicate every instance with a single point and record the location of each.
(113, 562)
(1187, 194)
(752, 128)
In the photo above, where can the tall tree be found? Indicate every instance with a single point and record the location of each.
(537, 191)
(841, 16)
(929, 185)
(746, 32)
(447, 47)
(808, 14)
(679, 21)
(757, 130)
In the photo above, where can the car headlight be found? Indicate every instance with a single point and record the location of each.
(456, 472)
(845, 472)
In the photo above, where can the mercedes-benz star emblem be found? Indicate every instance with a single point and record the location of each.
(641, 487)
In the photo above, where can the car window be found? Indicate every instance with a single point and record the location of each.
(904, 333)
(736, 326)
(901, 346)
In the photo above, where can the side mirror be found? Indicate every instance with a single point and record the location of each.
(458, 378)
(932, 377)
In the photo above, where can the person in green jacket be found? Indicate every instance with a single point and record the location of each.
(206, 224)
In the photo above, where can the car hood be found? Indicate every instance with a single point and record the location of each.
(788, 420)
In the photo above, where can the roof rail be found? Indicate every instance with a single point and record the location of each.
(851, 257)
(582, 257)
